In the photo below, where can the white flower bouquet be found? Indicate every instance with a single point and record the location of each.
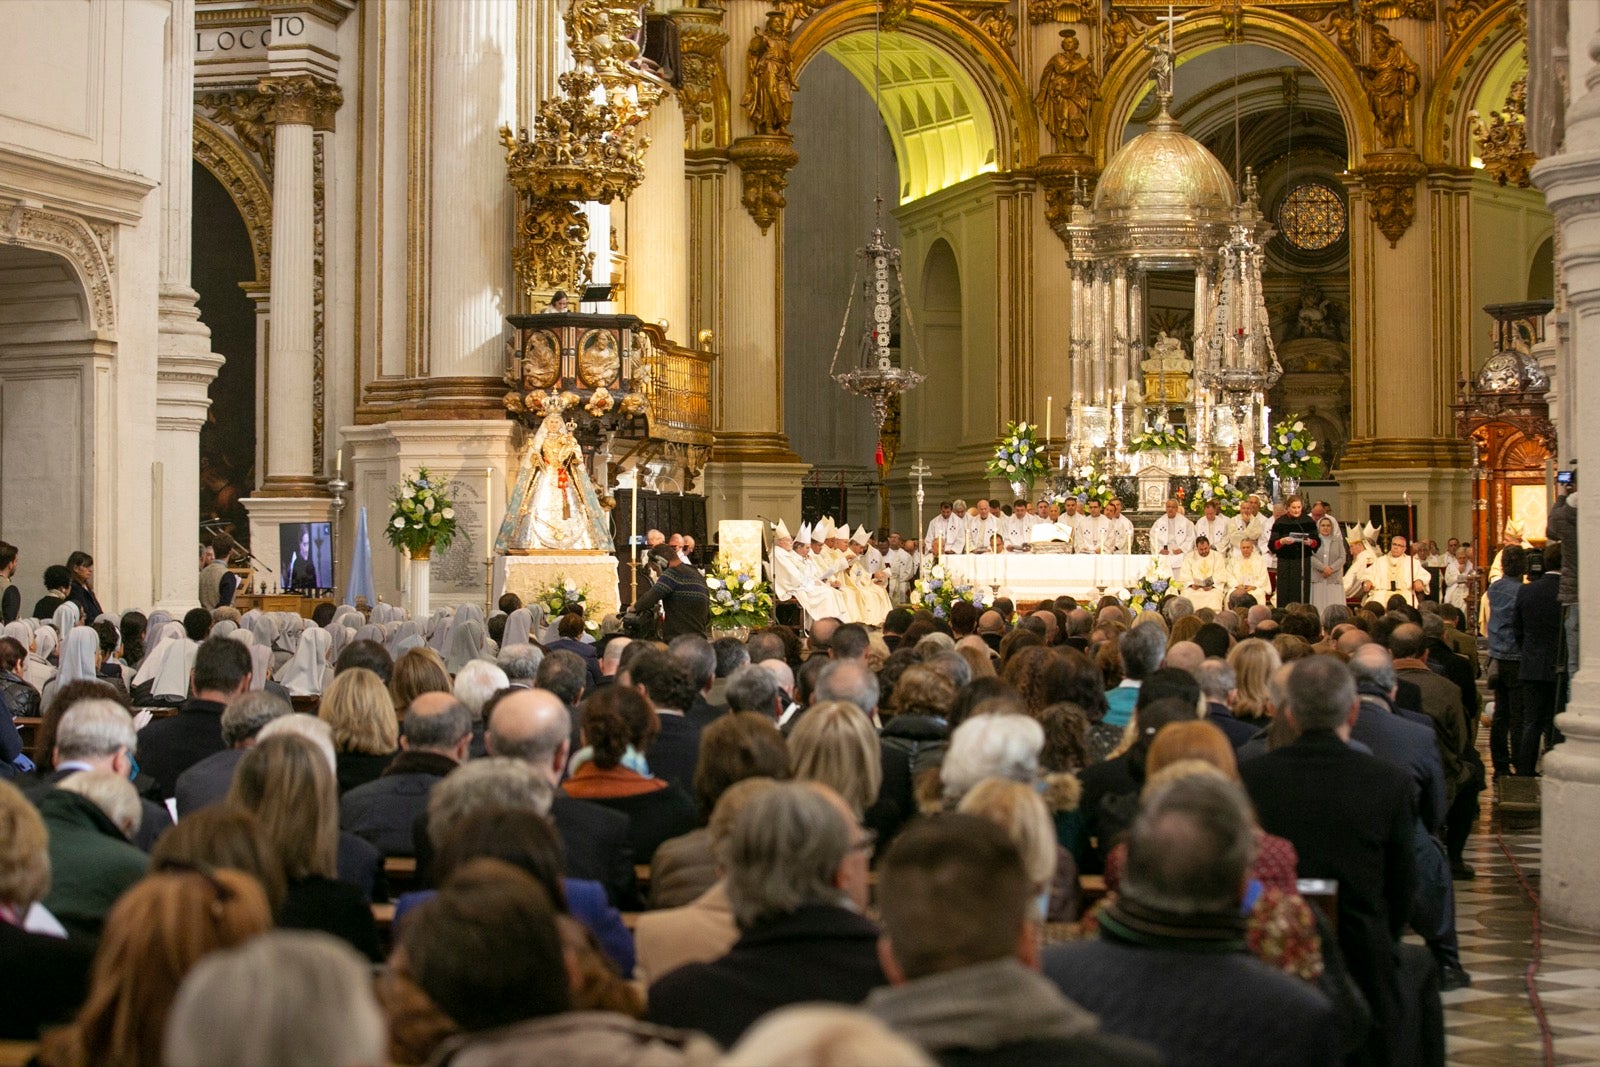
(1214, 486)
(739, 598)
(1020, 457)
(421, 517)
(563, 595)
(937, 591)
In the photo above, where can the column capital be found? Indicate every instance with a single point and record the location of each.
(302, 100)
(764, 162)
(1390, 181)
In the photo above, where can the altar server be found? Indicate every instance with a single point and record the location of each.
(946, 531)
(1172, 534)
(1120, 539)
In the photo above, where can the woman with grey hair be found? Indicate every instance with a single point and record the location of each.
(286, 997)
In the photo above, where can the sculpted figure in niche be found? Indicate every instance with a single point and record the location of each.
(769, 77)
(1391, 81)
(1168, 358)
(554, 506)
(1066, 89)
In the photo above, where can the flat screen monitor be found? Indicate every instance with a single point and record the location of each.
(305, 555)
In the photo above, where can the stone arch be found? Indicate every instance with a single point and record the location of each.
(940, 320)
(233, 168)
(1007, 102)
(85, 247)
(1129, 77)
(1467, 64)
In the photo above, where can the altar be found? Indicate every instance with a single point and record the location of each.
(1027, 576)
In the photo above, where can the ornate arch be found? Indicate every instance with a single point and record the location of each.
(1446, 137)
(1005, 95)
(86, 247)
(1129, 76)
(232, 166)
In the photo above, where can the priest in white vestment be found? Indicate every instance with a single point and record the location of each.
(1172, 534)
(902, 569)
(1120, 538)
(947, 532)
(1247, 570)
(983, 530)
(796, 575)
(1396, 573)
(1363, 545)
(1093, 530)
(1459, 576)
(872, 602)
(1202, 575)
(1213, 526)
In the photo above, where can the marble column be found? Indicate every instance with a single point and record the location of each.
(753, 469)
(1570, 865)
(185, 364)
(302, 104)
(475, 49)
(658, 227)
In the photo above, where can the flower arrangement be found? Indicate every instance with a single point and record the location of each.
(1020, 457)
(1162, 437)
(739, 598)
(1092, 484)
(563, 595)
(421, 518)
(1214, 486)
(1290, 452)
(937, 591)
(1151, 589)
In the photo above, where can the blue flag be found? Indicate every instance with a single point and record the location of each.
(360, 584)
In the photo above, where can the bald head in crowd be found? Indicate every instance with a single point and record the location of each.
(534, 726)
(439, 723)
(1350, 641)
(991, 622)
(1258, 614)
(1185, 656)
(1049, 620)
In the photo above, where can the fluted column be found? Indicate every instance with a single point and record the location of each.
(469, 277)
(1570, 866)
(185, 364)
(658, 227)
(301, 105)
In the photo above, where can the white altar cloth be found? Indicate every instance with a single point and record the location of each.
(1026, 576)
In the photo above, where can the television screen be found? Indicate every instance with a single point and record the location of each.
(305, 555)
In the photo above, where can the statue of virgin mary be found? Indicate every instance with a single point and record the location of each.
(553, 507)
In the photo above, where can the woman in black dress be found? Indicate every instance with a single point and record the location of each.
(1294, 538)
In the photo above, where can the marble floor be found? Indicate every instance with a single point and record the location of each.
(1497, 1021)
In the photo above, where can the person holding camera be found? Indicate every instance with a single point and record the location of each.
(682, 594)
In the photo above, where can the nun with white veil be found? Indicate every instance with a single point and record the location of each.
(66, 617)
(37, 668)
(223, 628)
(340, 638)
(290, 628)
(308, 672)
(80, 662)
(370, 632)
(466, 645)
(166, 669)
(407, 635)
(263, 629)
(438, 628)
(519, 628)
(347, 612)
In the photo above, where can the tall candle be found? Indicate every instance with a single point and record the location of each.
(338, 466)
(488, 513)
(1049, 409)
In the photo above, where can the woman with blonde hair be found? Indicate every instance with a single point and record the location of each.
(285, 781)
(834, 743)
(366, 734)
(154, 935)
(1018, 809)
(1253, 661)
(418, 670)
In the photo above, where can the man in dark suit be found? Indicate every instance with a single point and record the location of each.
(675, 752)
(1441, 702)
(1538, 630)
(168, 747)
(570, 629)
(208, 781)
(1219, 684)
(434, 738)
(98, 735)
(797, 882)
(1351, 818)
(1413, 747)
(534, 725)
(697, 656)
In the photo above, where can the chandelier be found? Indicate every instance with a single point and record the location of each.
(875, 374)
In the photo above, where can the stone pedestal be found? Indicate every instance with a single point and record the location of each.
(595, 572)
(752, 490)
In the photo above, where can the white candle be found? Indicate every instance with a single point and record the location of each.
(488, 513)
(338, 466)
(1049, 408)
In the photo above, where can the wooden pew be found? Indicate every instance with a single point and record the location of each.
(401, 873)
(17, 1053)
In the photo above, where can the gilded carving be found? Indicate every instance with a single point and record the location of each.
(1391, 80)
(249, 115)
(1118, 30)
(1042, 11)
(1502, 142)
(1390, 179)
(551, 247)
(1067, 181)
(700, 60)
(1345, 26)
(1401, 9)
(583, 148)
(895, 13)
(69, 237)
(764, 163)
(302, 100)
(1460, 15)
(1067, 88)
(603, 35)
(769, 77)
(998, 23)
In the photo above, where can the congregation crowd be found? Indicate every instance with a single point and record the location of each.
(1069, 834)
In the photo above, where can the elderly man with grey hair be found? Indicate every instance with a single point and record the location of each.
(98, 735)
(696, 656)
(1142, 649)
(1170, 966)
(207, 782)
(752, 689)
(1351, 817)
(850, 680)
(434, 738)
(90, 815)
(796, 865)
(521, 664)
(1219, 685)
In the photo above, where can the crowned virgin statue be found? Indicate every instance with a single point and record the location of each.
(553, 507)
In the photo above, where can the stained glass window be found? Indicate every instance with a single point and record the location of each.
(1312, 217)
